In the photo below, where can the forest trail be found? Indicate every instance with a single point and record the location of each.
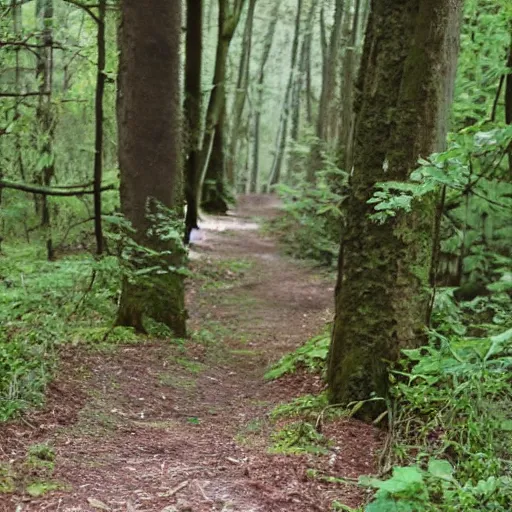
(175, 427)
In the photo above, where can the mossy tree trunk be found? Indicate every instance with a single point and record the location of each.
(149, 147)
(404, 93)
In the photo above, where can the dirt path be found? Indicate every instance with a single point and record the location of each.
(168, 426)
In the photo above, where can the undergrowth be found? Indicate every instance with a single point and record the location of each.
(44, 305)
(449, 415)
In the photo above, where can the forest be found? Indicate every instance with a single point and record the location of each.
(256, 255)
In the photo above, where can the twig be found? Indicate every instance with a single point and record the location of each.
(177, 489)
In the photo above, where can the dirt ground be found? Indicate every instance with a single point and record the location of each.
(170, 426)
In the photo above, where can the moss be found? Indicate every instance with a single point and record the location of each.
(40, 488)
(7, 482)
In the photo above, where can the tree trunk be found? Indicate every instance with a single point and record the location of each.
(149, 149)
(240, 93)
(275, 173)
(192, 107)
(382, 295)
(98, 146)
(214, 196)
(269, 39)
(44, 113)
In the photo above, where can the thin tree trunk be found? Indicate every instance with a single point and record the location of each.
(282, 133)
(98, 146)
(214, 196)
(192, 107)
(46, 122)
(508, 101)
(269, 39)
(241, 93)
(382, 294)
(150, 158)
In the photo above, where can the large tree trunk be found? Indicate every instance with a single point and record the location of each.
(382, 295)
(149, 147)
(214, 196)
(193, 67)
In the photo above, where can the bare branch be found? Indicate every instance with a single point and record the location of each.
(44, 191)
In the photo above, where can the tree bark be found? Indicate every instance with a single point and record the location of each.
(405, 91)
(149, 150)
(192, 107)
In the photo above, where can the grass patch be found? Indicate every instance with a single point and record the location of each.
(216, 274)
(42, 305)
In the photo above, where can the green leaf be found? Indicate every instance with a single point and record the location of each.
(440, 469)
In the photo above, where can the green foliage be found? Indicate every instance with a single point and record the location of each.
(41, 452)
(311, 355)
(37, 489)
(165, 252)
(298, 438)
(452, 427)
(43, 305)
(311, 224)
(306, 405)
(408, 489)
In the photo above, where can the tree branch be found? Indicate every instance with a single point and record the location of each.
(44, 191)
(86, 7)
(21, 94)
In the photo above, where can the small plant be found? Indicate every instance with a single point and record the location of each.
(41, 452)
(304, 406)
(311, 355)
(298, 438)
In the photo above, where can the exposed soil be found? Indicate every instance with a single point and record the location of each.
(167, 426)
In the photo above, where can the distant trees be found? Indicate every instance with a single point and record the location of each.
(150, 159)
(382, 294)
